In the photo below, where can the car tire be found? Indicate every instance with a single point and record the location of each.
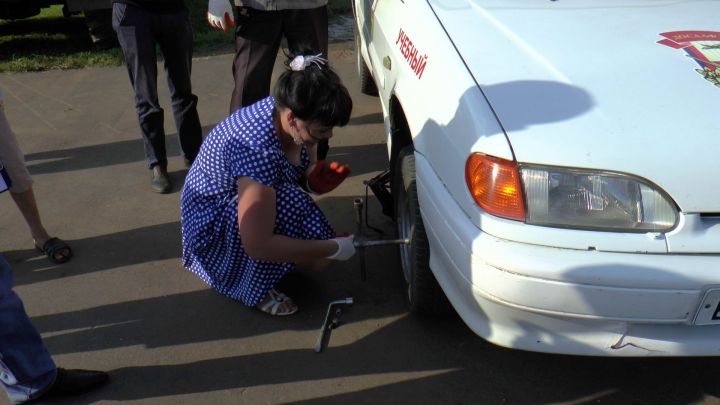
(99, 23)
(423, 294)
(367, 84)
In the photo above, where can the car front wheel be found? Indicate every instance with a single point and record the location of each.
(423, 294)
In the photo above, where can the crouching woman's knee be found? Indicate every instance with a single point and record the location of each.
(314, 265)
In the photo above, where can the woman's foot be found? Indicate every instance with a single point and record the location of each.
(277, 303)
(55, 249)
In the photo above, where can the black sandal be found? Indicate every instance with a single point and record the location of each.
(54, 249)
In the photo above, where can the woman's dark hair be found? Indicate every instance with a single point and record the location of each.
(314, 93)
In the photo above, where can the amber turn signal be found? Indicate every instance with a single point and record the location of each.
(494, 184)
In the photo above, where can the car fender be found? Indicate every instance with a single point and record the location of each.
(447, 115)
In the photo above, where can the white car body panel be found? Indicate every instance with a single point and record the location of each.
(630, 81)
(574, 83)
(562, 300)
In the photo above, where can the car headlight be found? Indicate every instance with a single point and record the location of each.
(577, 198)
(569, 198)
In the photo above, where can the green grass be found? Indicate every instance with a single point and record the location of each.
(51, 41)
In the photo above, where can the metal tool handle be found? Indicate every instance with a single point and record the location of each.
(358, 203)
(320, 340)
(361, 243)
(327, 324)
(364, 243)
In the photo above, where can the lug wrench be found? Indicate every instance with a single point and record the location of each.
(361, 242)
(329, 323)
(358, 204)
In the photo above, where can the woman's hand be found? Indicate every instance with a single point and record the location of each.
(346, 248)
(324, 178)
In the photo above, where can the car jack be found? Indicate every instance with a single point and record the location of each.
(380, 186)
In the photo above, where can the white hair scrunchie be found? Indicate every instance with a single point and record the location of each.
(300, 62)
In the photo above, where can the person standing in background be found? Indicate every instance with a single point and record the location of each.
(261, 24)
(21, 191)
(27, 371)
(140, 26)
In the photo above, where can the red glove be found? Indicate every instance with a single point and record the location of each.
(324, 178)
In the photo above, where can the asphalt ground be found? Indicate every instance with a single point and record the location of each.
(126, 305)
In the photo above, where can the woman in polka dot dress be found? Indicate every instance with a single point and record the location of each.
(245, 220)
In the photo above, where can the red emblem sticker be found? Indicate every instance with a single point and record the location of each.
(702, 46)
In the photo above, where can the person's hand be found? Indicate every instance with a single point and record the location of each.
(346, 247)
(220, 14)
(325, 177)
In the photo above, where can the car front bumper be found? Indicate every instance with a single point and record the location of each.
(569, 301)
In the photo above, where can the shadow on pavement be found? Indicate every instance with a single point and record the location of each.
(130, 151)
(444, 363)
(93, 156)
(374, 118)
(127, 248)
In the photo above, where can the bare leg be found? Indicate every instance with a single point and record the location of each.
(25, 201)
(14, 162)
(315, 265)
(27, 205)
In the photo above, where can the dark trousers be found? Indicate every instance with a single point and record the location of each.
(257, 41)
(138, 32)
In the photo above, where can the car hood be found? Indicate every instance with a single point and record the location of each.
(615, 85)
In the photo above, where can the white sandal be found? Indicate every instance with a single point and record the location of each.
(273, 302)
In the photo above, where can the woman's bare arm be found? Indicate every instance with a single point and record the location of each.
(256, 220)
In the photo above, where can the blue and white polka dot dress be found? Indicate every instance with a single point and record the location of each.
(244, 145)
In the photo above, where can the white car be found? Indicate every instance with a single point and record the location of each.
(556, 166)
